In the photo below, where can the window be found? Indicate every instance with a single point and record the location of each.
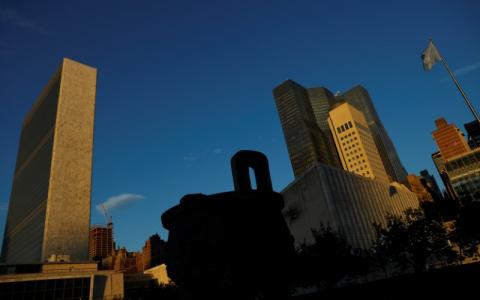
(338, 129)
(342, 128)
(350, 124)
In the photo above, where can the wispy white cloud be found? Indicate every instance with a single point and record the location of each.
(118, 201)
(467, 69)
(14, 18)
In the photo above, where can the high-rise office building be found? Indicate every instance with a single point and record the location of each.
(303, 116)
(464, 173)
(322, 101)
(49, 208)
(449, 139)
(354, 142)
(359, 97)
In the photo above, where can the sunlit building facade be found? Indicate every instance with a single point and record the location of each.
(49, 208)
(449, 139)
(354, 142)
(359, 98)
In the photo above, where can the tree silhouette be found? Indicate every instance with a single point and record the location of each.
(467, 229)
(328, 260)
(412, 240)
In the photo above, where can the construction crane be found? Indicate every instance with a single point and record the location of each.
(108, 218)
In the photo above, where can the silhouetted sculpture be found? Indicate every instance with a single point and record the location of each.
(233, 245)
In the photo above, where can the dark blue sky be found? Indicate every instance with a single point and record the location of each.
(183, 85)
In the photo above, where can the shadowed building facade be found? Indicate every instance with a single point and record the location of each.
(439, 163)
(359, 97)
(473, 131)
(346, 202)
(431, 183)
(49, 208)
(303, 115)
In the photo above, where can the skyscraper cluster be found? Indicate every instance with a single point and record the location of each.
(307, 116)
(347, 172)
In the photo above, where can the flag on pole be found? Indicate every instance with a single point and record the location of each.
(430, 56)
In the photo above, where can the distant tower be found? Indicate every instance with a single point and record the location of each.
(100, 242)
(355, 143)
(49, 210)
(153, 252)
(359, 98)
(303, 115)
(473, 131)
(417, 186)
(439, 163)
(450, 140)
(431, 183)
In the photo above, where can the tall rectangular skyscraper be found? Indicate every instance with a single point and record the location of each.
(355, 144)
(359, 97)
(49, 208)
(303, 115)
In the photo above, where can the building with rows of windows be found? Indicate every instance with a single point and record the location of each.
(347, 171)
(355, 145)
(457, 161)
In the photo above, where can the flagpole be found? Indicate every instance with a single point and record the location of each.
(470, 106)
